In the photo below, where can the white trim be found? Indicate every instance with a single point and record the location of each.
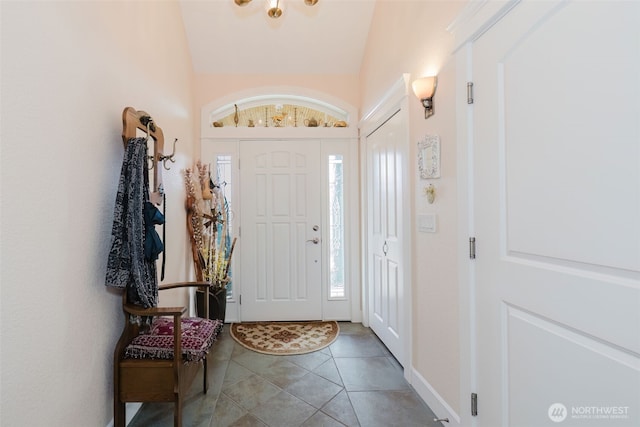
(466, 268)
(438, 405)
(274, 133)
(380, 112)
(131, 409)
(476, 18)
(407, 250)
(364, 238)
(354, 208)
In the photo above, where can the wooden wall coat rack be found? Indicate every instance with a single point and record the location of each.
(132, 120)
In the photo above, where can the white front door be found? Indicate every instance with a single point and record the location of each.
(557, 215)
(385, 272)
(280, 230)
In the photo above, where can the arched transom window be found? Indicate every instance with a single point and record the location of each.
(279, 111)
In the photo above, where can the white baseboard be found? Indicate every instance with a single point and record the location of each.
(438, 405)
(132, 409)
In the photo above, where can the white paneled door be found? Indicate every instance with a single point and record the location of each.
(557, 215)
(281, 230)
(385, 275)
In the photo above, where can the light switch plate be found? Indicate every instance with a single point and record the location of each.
(427, 223)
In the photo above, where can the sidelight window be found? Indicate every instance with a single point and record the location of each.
(336, 228)
(223, 174)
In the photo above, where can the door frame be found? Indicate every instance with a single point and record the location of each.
(473, 21)
(226, 140)
(210, 147)
(395, 99)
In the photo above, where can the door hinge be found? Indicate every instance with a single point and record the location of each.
(472, 247)
(239, 231)
(469, 92)
(474, 404)
(240, 299)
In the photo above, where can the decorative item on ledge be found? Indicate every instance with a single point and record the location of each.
(211, 246)
(278, 116)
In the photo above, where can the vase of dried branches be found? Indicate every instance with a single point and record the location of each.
(217, 302)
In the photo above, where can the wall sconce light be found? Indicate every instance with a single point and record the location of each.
(425, 88)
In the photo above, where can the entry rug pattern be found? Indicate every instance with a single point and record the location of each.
(285, 338)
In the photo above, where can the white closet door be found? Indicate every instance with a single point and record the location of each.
(385, 184)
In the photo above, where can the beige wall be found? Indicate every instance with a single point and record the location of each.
(209, 87)
(411, 37)
(68, 70)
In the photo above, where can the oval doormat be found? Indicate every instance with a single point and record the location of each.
(283, 338)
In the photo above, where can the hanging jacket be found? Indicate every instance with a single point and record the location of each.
(152, 243)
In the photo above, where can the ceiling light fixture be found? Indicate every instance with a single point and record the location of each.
(274, 7)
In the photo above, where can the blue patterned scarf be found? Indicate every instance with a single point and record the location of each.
(127, 266)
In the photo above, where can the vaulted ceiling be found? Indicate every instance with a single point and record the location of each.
(328, 38)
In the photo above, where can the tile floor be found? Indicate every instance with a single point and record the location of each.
(353, 382)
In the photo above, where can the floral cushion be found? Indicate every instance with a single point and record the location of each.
(198, 335)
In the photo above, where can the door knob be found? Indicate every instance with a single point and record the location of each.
(315, 240)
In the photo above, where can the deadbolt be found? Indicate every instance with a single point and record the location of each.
(316, 228)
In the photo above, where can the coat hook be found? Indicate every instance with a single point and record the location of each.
(148, 124)
(152, 163)
(170, 156)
